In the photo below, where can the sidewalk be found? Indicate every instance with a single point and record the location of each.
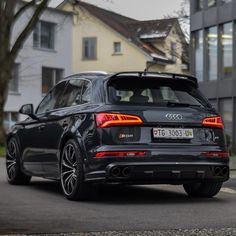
(232, 165)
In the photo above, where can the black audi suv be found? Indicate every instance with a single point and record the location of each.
(123, 128)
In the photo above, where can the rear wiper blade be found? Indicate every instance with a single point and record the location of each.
(178, 104)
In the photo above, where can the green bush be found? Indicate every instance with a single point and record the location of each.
(2, 151)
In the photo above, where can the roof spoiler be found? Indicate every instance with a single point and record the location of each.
(143, 74)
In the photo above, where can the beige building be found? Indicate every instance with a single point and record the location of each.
(106, 41)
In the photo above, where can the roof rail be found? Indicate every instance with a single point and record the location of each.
(142, 74)
(94, 72)
(89, 74)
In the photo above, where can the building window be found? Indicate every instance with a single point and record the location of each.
(227, 49)
(117, 47)
(226, 110)
(198, 47)
(50, 77)
(225, 1)
(44, 35)
(89, 48)
(214, 103)
(173, 51)
(211, 3)
(10, 118)
(212, 45)
(199, 5)
(14, 82)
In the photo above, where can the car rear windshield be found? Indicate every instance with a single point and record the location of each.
(158, 91)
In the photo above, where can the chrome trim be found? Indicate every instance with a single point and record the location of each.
(172, 116)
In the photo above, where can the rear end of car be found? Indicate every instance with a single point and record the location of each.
(158, 128)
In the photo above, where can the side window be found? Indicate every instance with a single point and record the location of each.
(86, 92)
(49, 102)
(77, 92)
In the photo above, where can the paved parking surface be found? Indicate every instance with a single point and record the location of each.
(41, 208)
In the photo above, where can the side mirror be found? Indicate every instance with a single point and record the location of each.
(28, 109)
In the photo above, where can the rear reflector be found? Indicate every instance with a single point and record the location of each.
(214, 121)
(112, 119)
(121, 154)
(215, 154)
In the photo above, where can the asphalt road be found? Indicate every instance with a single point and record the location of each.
(41, 208)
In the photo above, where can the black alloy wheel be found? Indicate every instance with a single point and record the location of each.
(72, 175)
(14, 173)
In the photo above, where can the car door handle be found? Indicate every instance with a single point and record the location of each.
(41, 127)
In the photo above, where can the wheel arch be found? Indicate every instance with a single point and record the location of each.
(66, 137)
(18, 146)
(15, 136)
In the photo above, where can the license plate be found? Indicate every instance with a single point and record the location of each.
(173, 133)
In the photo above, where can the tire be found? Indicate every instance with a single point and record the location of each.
(205, 189)
(72, 173)
(14, 174)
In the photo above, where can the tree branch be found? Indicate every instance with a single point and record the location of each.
(28, 29)
(2, 6)
(23, 9)
(9, 12)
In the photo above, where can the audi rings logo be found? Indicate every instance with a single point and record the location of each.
(171, 116)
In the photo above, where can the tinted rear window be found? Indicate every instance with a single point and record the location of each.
(154, 92)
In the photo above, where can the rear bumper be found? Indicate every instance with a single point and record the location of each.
(160, 172)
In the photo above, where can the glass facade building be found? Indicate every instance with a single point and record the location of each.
(213, 56)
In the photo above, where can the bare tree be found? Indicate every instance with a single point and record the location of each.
(10, 12)
(184, 17)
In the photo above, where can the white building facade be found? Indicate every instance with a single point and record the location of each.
(45, 58)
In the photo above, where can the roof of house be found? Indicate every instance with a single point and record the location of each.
(153, 29)
(141, 33)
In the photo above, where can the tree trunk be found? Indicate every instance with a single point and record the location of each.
(2, 130)
(5, 76)
(8, 54)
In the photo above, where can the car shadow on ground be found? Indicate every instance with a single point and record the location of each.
(119, 194)
(147, 195)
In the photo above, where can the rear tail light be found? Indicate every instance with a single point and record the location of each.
(112, 119)
(121, 154)
(215, 154)
(214, 121)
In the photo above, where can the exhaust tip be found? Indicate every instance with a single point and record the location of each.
(115, 172)
(225, 171)
(126, 172)
(221, 171)
(217, 171)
